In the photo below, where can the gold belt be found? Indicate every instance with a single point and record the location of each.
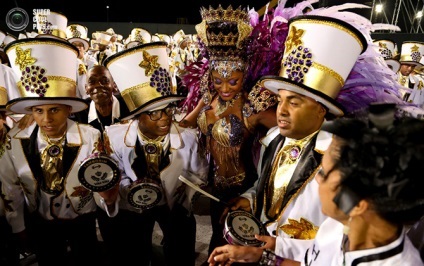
(223, 182)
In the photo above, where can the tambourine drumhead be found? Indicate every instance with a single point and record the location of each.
(145, 195)
(241, 227)
(99, 172)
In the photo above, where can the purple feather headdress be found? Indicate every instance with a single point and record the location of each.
(371, 80)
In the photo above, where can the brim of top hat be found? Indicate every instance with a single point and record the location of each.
(419, 70)
(23, 105)
(3, 109)
(50, 36)
(411, 63)
(276, 83)
(394, 64)
(132, 44)
(83, 41)
(153, 105)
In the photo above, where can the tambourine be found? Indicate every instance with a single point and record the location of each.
(145, 194)
(99, 172)
(241, 227)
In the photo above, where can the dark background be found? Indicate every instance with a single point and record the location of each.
(180, 12)
(170, 16)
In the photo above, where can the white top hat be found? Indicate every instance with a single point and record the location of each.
(77, 33)
(157, 37)
(22, 36)
(53, 24)
(101, 37)
(178, 37)
(142, 75)
(411, 53)
(6, 40)
(320, 52)
(32, 34)
(387, 49)
(45, 70)
(138, 36)
(93, 45)
(111, 32)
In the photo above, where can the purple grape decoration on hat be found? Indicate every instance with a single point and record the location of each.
(297, 63)
(34, 81)
(415, 55)
(386, 53)
(161, 81)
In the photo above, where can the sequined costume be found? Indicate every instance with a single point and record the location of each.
(224, 139)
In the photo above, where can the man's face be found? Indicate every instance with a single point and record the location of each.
(406, 69)
(155, 123)
(80, 47)
(328, 178)
(51, 118)
(298, 116)
(102, 47)
(100, 85)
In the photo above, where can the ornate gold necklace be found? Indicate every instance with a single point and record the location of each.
(55, 147)
(222, 105)
(402, 79)
(153, 153)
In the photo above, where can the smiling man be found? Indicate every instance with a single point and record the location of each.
(106, 105)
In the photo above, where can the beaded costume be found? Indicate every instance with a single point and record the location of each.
(229, 41)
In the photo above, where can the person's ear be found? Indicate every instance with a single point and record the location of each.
(361, 207)
(86, 88)
(346, 199)
(322, 111)
(115, 88)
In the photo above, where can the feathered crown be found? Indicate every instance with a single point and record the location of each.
(223, 31)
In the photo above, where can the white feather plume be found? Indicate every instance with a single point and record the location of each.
(383, 26)
(325, 11)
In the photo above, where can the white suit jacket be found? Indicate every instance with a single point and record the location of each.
(184, 160)
(20, 183)
(305, 204)
(326, 249)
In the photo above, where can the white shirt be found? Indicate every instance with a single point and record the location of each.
(327, 250)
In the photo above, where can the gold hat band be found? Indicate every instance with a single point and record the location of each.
(55, 32)
(138, 95)
(407, 58)
(58, 87)
(3, 96)
(319, 76)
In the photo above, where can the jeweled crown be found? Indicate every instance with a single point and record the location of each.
(217, 15)
(224, 31)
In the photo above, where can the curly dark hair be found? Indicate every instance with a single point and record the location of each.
(384, 166)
